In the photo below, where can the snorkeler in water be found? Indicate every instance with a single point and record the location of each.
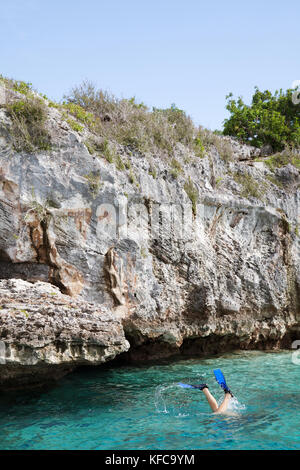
(211, 400)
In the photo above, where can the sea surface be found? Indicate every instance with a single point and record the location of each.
(142, 407)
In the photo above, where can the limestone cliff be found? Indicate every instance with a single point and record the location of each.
(45, 334)
(201, 259)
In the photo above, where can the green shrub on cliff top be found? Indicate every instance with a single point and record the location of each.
(75, 126)
(22, 87)
(133, 124)
(17, 85)
(80, 114)
(270, 119)
(29, 124)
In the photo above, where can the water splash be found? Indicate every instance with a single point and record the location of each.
(160, 400)
(173, 399)
(235, 405)
(169, 399)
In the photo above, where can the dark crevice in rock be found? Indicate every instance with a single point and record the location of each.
(30, 272)
(151, 350)
(114, 276)
(43, 269)
(60, 274)
(54, 275)
(215, 344)
(4, 256)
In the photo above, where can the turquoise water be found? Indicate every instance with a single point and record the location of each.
(143, 408)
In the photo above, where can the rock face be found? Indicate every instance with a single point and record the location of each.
(45, 334)
(203, 261)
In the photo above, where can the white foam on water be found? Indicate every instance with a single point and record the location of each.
(182, 415)
(160, 402)
(235, 405)
(168, 400)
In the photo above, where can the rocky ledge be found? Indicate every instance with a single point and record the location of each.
(45, 334)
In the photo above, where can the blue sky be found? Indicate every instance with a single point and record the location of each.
(189, 52)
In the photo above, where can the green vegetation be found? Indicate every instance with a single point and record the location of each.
(132, 124)
(198, 145)
(207, 139)
(80, 114)
(153, 172)
(89, 145)
(107, 150)
(219, 181)
(75, 126)
(28, 115)
(96, 145)
(94, 182)
(22, 87)
(192, 193)
(283, 158)
(119, 163)
(24, 312)
(270, 119)
(250, 187)
(40, 210)
(275, 181)
(17, 85)
(128, 164)
(29, 124)
(132, 178)
(52, 104)
(176, 169)
(224, 149)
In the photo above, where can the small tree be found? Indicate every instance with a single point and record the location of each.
(270, 119)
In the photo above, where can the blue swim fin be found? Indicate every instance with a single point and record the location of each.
(221, 381)
(185, 385)
(198, 387)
